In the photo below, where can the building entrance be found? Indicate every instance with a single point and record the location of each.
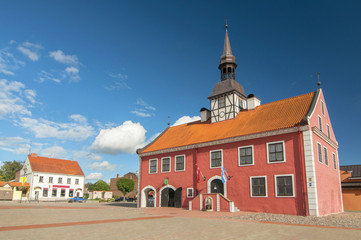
(217, 186)
(171, 198)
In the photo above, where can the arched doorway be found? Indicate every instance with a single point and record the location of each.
(171, 197)
(215, 185)
(148, 197)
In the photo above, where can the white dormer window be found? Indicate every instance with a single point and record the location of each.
(320, 123)
(322, 108)
(328, 131)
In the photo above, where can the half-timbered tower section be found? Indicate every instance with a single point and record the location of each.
(279, 157)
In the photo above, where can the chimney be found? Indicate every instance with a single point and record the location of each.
(117, 175)
(253, 101)
(33, 155)
(205, 114)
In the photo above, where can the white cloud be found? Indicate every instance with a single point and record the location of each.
(17, 145)
(86, 155)
(60, 57)
(44, 76)
(125, 138)
(186, 119)
(102, 166)
(8, 63)
(30, 95)
(11, 98)
(54, 152)
(94, 176)
(119, 82)
(77, 131)
(143, 109)
(30, 50)
(140, 113)
(73, 73)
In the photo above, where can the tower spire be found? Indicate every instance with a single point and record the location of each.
(228, 61)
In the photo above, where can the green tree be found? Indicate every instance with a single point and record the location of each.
(8, 170)
(125, 185)
(100, 185)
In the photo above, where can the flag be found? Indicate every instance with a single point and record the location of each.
(224, 175)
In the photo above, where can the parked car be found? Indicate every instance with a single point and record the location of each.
(129, 199)
(77, 199)
(119, 199)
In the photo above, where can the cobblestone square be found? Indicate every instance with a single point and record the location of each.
(93, 220)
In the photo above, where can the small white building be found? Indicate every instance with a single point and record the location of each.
(94, 194)
(52, 179)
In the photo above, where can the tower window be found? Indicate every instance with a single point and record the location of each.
(224, 70)
(221, 102)
(229, 70)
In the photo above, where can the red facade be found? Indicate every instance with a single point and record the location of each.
(295, 167)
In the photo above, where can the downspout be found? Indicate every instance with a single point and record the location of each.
(303, 168)
(139, 177)
(196, 160)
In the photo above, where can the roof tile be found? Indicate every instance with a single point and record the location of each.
(53, 165)
(267, 117)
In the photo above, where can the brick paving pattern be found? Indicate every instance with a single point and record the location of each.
(93, 220)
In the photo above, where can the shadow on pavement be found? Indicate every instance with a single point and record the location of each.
(122, 204)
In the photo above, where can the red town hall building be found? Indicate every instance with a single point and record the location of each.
(279, 157)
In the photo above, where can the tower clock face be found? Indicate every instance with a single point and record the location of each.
(221, 114)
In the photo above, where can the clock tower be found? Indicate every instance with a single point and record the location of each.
(228, 97)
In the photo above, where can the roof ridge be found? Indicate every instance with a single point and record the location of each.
(287, 98)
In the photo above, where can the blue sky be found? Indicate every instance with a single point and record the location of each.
(93, 80)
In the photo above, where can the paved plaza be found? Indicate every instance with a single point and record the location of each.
(93, 220)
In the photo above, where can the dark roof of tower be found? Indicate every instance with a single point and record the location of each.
(227, 56)
(227, 86)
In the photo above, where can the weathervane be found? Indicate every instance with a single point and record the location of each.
(318, 80)
(226, 26)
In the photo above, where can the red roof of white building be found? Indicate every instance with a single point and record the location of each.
(54, 165)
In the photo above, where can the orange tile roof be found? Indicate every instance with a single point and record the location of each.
(2, 183)
(271, 116)
(18, 184)
(53, 165)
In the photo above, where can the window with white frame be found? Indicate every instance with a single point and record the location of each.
(258, 186)
(50, 179)
(68, 181)
(334, 161)
(41, 178)
(245, 155)
(54, 192)
(276, 152)
(77, 181)
(180, 163)
(328, 131)
(60, 180)
(284, 186)
(325, 155)
(166, 164)
(320, 123)
(153, 166)
(322, 108)
(216, 158)
(189, 192)
(319, 151)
